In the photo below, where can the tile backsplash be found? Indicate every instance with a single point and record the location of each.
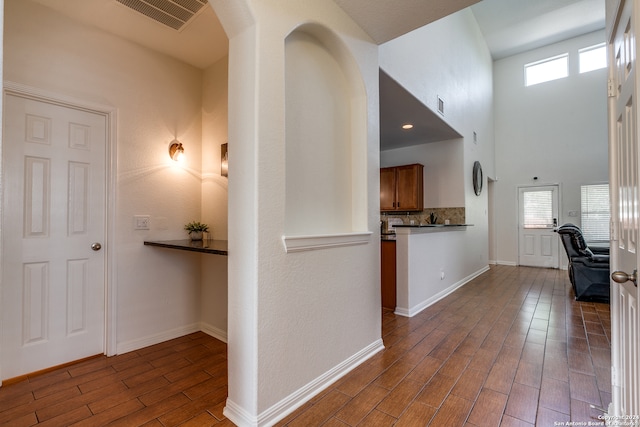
(454, 215)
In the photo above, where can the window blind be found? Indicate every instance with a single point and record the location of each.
(595, 212)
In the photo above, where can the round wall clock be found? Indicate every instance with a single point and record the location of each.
(477, 178)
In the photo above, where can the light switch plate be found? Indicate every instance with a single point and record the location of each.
(141, 222)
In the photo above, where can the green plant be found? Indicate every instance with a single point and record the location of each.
(196, 226)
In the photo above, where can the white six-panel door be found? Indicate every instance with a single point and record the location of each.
(53, 266)
(624, 191)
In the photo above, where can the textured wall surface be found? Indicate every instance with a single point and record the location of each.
(556, 131)
(157, 99)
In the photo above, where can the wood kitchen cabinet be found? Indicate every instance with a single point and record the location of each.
(401, 188)
(388, 274)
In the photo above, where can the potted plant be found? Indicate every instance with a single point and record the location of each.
(195, 229)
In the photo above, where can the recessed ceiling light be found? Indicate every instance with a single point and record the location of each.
(407, 126)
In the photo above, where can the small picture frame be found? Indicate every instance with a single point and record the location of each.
(224, 160)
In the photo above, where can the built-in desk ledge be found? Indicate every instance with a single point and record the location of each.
(215, 247)
(324, 241)
(428, 228)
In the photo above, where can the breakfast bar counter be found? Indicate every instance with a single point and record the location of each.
(428, 264)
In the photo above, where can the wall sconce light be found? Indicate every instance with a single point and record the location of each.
(176, 151)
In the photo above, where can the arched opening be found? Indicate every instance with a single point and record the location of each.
(325, 136)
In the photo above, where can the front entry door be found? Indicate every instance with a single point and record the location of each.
(538, 213)
(624, 192)
(53, 211)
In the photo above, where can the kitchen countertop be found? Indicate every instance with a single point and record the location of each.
(418, 228)
(215, 247)
(430, 225)
(408, 229)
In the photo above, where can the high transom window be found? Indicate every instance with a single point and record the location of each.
(593, 58)
(546, 70)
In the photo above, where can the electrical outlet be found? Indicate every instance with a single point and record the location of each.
(141, 222)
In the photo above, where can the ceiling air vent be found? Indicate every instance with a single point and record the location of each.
(172, 13)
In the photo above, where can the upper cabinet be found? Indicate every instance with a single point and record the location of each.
(401, 188)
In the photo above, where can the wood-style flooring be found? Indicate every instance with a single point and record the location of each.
(510, 348)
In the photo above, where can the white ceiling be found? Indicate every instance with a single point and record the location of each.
(384, 20)
(509, 27)
(514, 26)
(397, 107)
(201, 42)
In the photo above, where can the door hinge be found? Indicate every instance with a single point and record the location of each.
(613, 231)
(614, 377)
(611, 91)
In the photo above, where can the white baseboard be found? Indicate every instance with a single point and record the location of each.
(214, 331)
(437, 297)
(514, 264)
(127, 346)
(238, 415)
(242, 418)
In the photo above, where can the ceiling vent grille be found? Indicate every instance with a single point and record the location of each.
(172, 13)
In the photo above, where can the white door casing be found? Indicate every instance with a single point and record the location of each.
(624, 173)
(537, 242)
(54, 210)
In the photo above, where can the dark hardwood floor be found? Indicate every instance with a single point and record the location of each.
(511, 348)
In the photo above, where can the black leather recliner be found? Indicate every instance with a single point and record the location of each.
(588, 271)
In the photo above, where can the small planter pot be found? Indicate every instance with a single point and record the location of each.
(195, 235)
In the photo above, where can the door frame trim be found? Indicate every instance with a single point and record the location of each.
(521, 187)
(110, 115)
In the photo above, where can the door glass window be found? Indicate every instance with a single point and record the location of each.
(538, 209)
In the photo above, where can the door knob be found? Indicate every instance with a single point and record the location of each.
(96, 246)
(621, 277)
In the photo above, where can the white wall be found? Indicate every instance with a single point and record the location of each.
(556, 131)
(214, 133)
(443, 170)
(428, 266)
(214, 197)
(296, 320)
(157, 99)
(450, 59)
